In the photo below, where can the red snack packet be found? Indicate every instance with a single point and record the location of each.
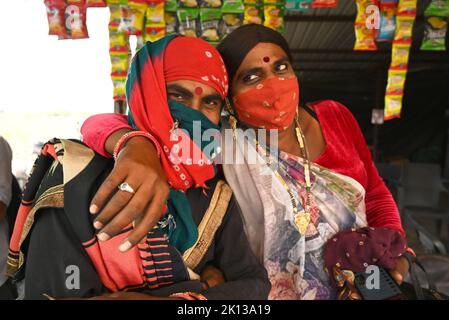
(56, 18)
(75, 19)
(96, 3)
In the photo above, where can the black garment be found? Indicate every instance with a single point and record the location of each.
(54, 247)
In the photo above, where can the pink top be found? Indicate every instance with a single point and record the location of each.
(346, 152)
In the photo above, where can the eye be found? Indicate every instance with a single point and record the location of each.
(212, 103)
(251, 78)
(176, 96)
(282, 67)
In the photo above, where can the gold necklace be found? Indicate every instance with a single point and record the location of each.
(300, 218)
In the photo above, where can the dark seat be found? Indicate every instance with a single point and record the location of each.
(422, 195)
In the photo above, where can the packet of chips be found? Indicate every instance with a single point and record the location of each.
(188, 3)
(435, 34)
(210, 19)
(404, 27)
(364, 36)
(55, 17)
(396, 81)
(324, 4)
(252, 14)
(154, 33)
(400, 54)
(115, 17)
(298, 5)
(188, 19)
(253, 2)
(274, 17)
(75, 19)
(154, 15)
(118, 41)
(119, 84)
(119, 63)
(211, 3)
(232, 15)
(170, 22)
(171, 5)
(96, 3)
(132, 17)
(393, 106)
(387, 21)
(438, 8)
(407, 7)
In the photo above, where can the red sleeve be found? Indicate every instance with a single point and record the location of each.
(381, 209)
(97, 129)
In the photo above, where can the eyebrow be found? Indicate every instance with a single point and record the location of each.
(180, 90)
(213, 97)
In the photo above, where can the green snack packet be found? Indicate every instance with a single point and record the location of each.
(435, 34)
(188, 19)
(211, 3)
(171, 5)
(438, 8)
(298, 5)
(232, 15)
(210, 19)
(188, 3)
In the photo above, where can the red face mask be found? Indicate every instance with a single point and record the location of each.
(272, 104)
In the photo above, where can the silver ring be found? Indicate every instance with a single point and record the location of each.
(126, 187)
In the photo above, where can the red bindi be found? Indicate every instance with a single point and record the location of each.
(266, 59)
(198, 90)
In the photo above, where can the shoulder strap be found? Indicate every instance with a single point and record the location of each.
(209, 224)
(310, 110)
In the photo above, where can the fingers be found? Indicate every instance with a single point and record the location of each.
(397, 276)
(108, 187)
(147, 223)
(117, 203)
(126, 216)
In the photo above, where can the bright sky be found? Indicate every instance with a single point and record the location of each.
(41, 73)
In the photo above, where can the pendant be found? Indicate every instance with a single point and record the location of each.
(302, 220)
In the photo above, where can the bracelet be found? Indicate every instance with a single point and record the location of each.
(188, 296)
(123, 139)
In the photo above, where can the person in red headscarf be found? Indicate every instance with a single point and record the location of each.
(328, 183)
(173, 102)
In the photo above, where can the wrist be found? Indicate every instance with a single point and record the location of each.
(135, 137)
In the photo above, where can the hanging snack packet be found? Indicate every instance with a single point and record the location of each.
(404, 27)
(252, 14)
(387, 21)
(115, 17)
(324, 4)
(400, 54)
(298, 5)
(75, 19)
(364, 36)
(96, 3)
(210, 24)
(155, 33)
(274, 17)
(170, 22)
(407, 7)
(438, 8)
(435, 34)
(396, 81)
(188, 3)
(119, 84)
(132, 17)
(119, 63)
(393, 106)
(232, 11)
(211, 3)
(118, 41)
(252, 2)
(55, 16)
(187, 19)
(155, 14)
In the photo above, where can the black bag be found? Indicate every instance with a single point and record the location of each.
(415, 290)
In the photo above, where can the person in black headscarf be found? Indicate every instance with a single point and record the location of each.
(264, 93)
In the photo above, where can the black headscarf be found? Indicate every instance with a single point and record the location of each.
(236, 46)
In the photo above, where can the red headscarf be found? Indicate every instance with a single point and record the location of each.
(173, 58)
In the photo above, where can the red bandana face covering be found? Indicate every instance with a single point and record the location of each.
(272, 104)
